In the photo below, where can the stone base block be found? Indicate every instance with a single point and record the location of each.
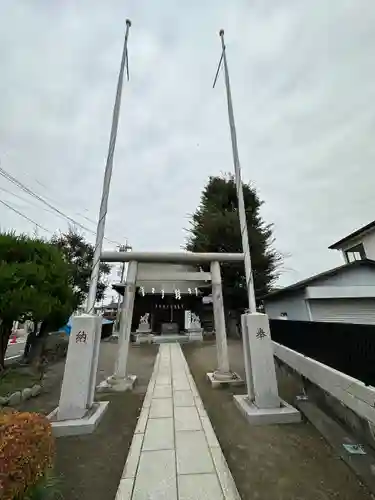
(195, 335)
(145, 330)
(144, 338)
(75, 427)
(286, 414)
(114, 384)
(221, 381)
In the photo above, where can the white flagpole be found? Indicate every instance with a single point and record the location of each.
(91, 299)
(239, 187)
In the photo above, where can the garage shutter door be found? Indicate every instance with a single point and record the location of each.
(360, 311)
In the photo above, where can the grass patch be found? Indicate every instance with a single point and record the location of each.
(16, 379)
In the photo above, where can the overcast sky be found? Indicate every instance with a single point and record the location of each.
(302, 75)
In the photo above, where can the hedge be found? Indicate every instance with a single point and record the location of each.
(26, 452)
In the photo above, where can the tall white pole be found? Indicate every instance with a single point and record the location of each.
(237, 173)
(102, 216)
(123, 248)
(91, 299)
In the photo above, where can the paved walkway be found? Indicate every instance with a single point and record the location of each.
(174, 454)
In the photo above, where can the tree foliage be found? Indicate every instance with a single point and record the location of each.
(79, 255)
(215, 227)
(34, 284)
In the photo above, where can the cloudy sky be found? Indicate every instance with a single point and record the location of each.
(304, 97)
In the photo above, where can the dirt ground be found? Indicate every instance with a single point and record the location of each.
(91, 466)
(285, 462)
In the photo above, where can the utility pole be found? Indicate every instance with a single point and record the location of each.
(122, 248)
(91, 299)
(238, 180)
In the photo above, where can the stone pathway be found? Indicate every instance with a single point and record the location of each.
(175, 454)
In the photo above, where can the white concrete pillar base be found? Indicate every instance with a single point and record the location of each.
(219, 379)
(77, 393)
(117, 384)
(262, 365)
(284, 414)
(75, 427)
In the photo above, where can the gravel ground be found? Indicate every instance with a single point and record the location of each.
(285, 462)
(91, 466)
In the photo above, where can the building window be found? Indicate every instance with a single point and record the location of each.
(355, 253)
(283, 315)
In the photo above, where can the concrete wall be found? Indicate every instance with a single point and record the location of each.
(344, 397)
(293, 304)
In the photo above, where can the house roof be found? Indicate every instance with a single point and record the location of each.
(354, 234)
(331, 272)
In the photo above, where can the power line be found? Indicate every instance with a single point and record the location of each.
(25, 216)
(24, 188)
(26, 200)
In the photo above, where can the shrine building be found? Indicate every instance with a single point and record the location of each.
(167, 293)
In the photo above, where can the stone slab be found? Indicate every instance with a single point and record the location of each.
(199, 406)
(187, 419)
(285, 414)
(76, 427)
(162, 391)
(235, 381)
(125, 489)
(159, 449)
(192, 452)
(163, 380)
(183, 398)
(225, 477)
(159, 434)
(161, 408)
(199, 487)
(156, 477)
(142, 421)
(209, 433)
(181, 384)
(133, 457)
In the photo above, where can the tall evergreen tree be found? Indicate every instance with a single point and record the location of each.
(215, 227)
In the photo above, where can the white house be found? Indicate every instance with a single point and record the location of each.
(343, 294)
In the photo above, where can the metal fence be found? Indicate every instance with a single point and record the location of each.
(347, 347)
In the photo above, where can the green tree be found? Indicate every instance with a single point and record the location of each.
(79, 255)
(34, 284)
(215, 227)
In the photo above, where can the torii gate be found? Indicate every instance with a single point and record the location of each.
(77, 412)
(121, 380)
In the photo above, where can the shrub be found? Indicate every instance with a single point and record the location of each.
(26, 452)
